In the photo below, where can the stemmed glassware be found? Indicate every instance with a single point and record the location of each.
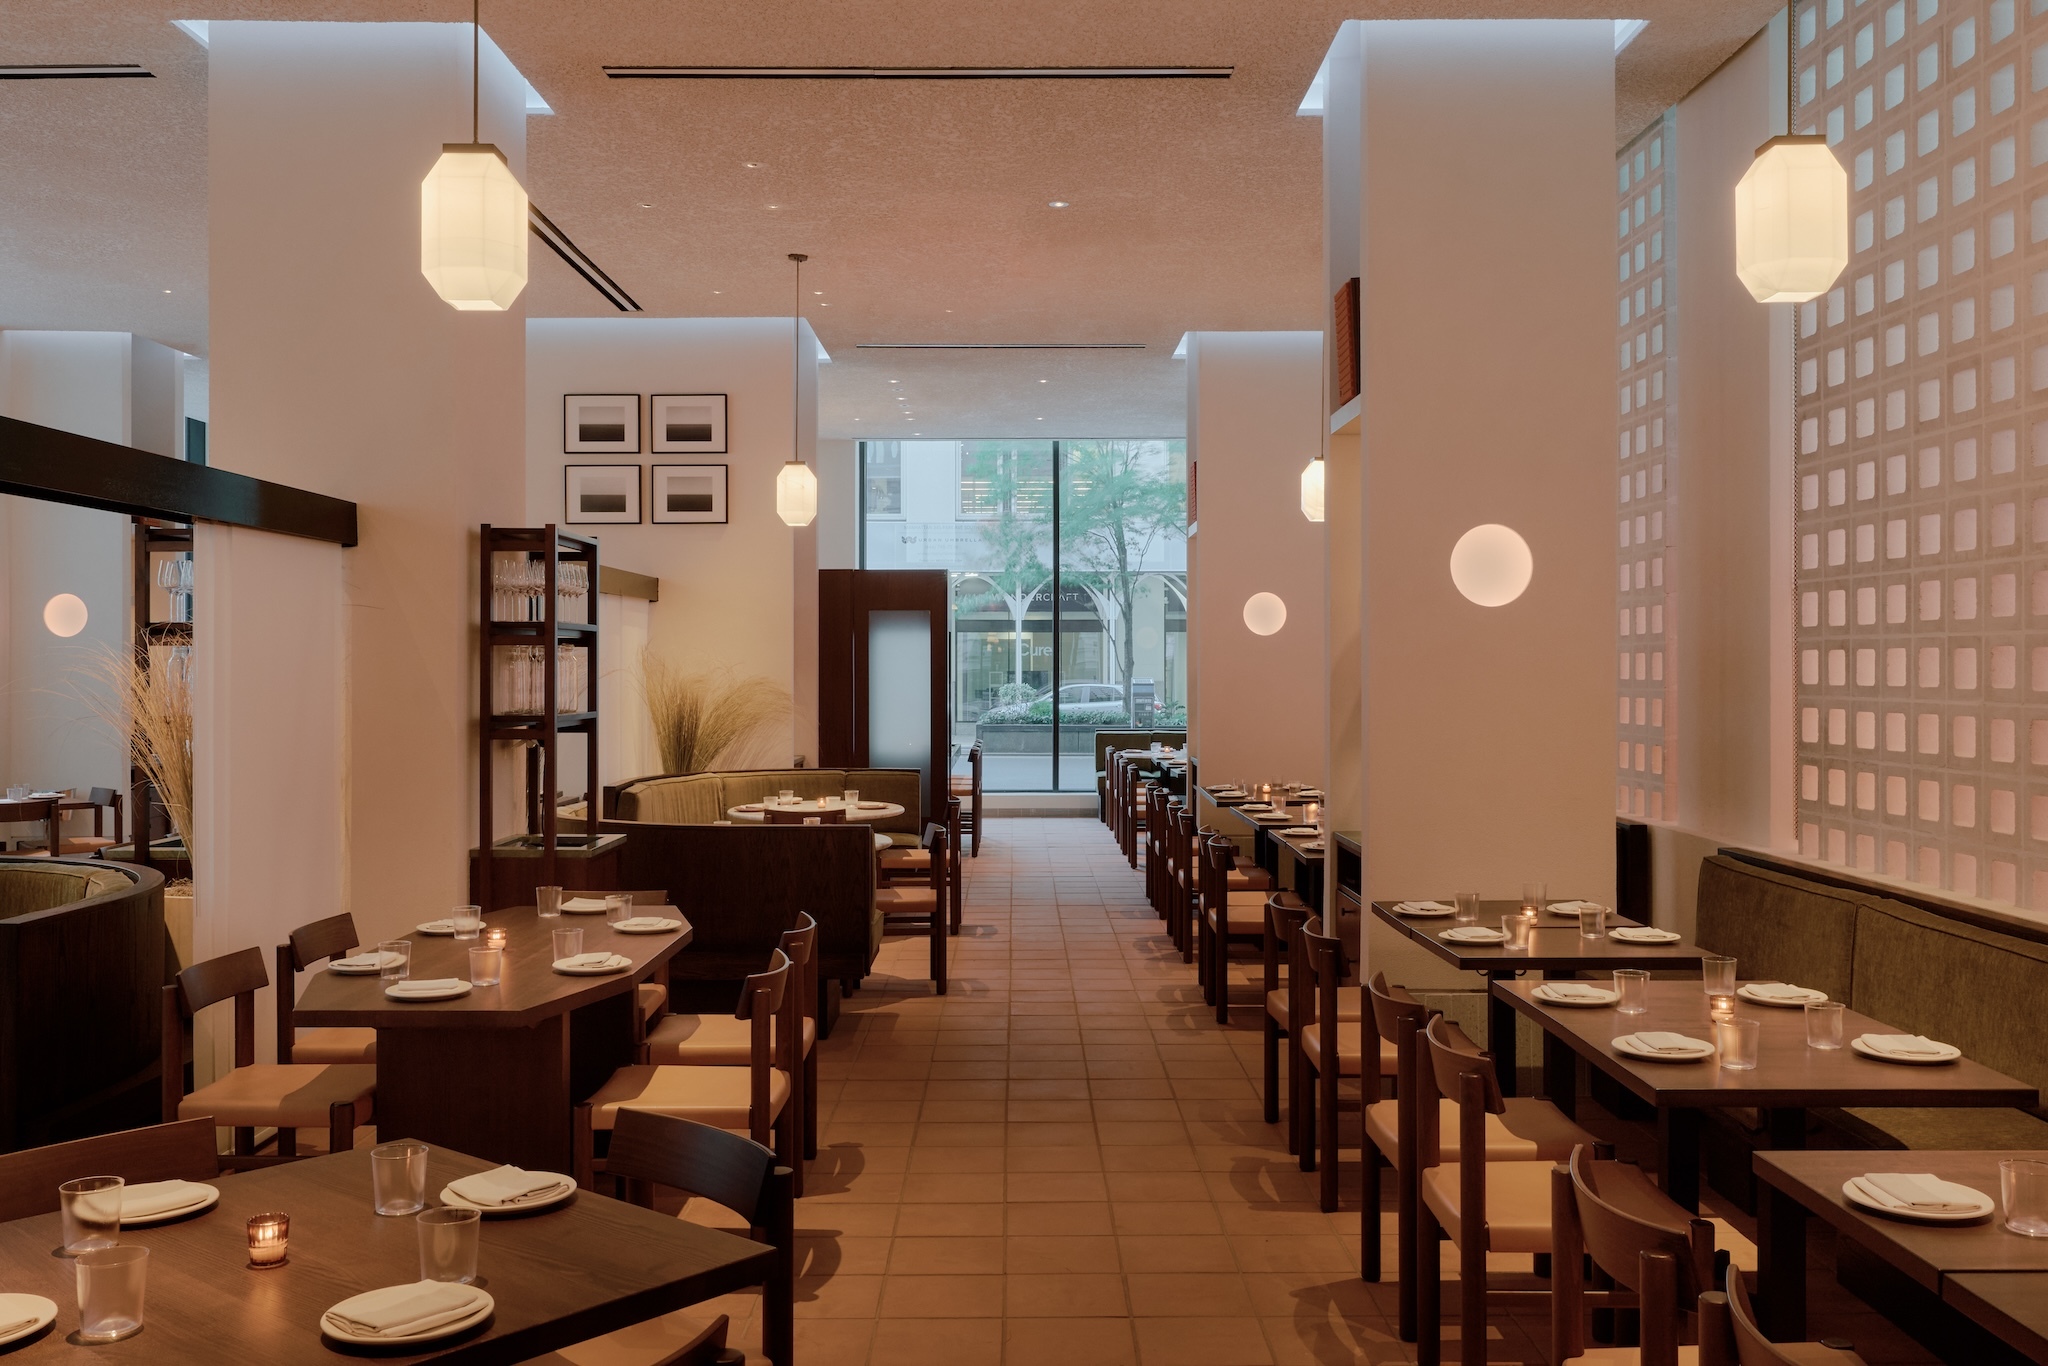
(519, 583)
(174, 576)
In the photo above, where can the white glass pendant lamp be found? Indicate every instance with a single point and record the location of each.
(1312, 490)
(473, 214)
(796, 486)
(1792, 221)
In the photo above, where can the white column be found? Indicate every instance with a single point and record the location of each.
(1482, 209)
(336, 368)
(1254, 404)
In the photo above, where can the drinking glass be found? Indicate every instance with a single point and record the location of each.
(469, 921)
(1533, 898)
(1592, 922)
(851, 797)
(1633, 986)
(568, 943)
(1736, 1041)
(398, 1178)
(397, 959)
(549, 901)
(110, 1284)
(617, 906)
(448, 1239)
(1717, 976)
(1516, 928)
(1824, 1024)
(1467, 912)
(786, 796)
(486, 965)
(2023, 1183)
(92, 1213)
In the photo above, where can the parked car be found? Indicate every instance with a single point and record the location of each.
(1072, 694)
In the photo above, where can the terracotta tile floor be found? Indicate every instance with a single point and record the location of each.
(1062, 1160)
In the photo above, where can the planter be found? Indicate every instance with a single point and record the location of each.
(178, 924)
(1035, 738)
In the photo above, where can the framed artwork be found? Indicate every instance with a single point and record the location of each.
(688, 493)
(687, 424)
(601, 495)
(601, 424)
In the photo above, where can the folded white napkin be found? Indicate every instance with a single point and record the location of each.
(1664, 1041)
(8, 1329)
(404, 1310)
(588, 960)
(374, 959)
(1577, 991)
(1424, 906)
(505, 1186)
(1645, 934)
(645, 922)
(1781, 991)
(1574, 907)
(1905, 1045)
(444, 925)
(1474, 934)
(157, 1197)
(424, 986)
(1920, 1191)
(583, 903)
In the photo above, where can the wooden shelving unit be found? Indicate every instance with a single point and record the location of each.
(153, 538)
(539, 730)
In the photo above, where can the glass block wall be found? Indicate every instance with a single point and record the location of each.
(1922, 465)
(1643, 172)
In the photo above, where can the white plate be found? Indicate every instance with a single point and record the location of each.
(619, 963)
(436, 927)
(1414, 911)
(1812, 997)
(1472, 934)
(449, 1197)
(206, 1201)
(1572, 908)
(16, 1307)
(446, 1330)
(665, 927)
(371, 970)
(1936, 1060)
(446, 994)
(1607, 998)
(1297, 830)
(1853, 1193)
(1643, 934)
(1627, 1044)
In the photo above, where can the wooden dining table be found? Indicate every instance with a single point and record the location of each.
(558, 1276)
(1789, 1079)
(498, 1071)
(1555, 947)
(1992, 1276)
(47, 811)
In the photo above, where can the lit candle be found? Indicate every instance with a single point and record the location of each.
(1721, 1008)
(269, 1235)
(494, 937)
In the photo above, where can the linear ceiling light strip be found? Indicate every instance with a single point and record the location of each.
(999, 346)
(544, 228)
(72, 71)
(919, 73)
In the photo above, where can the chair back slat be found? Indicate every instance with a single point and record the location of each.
(183, 1150)
(1284, 916)
(1624, 1219)
(334, 937)
(726, 1168)
(762, 992)
(240, 973)
(1453, 1055)
(1394, 1011)
(1752, 1348)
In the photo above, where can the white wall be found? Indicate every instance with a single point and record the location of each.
(838, 504)
(1254, 419)
(731, 595)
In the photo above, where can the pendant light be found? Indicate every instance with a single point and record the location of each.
(796, 487)
(473, 215)
(1312, 490)
(1792, 209)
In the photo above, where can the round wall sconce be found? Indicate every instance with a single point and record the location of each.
(65, 614)
(1264, 613)
(1491, 565)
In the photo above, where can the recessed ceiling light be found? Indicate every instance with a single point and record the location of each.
(167, 291)
(646, 206)
(718, 291)
(817, 291)
(774, 206)
(1045, 381)
(1058, 204)
(752, 165)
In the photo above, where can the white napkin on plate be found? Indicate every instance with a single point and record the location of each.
(1423, 906)
(444, 925)
(1574, 907)
(157, 1197)
(1781, 991)
(8, 1329)
(646, 922)
(1642, 934)
(373, 959)
(588, 960)
(1577, 991)
(1473, 934)
(507, 1185)
(583, 903)
(399, 1311)
(424, 986)
(1664, 1041)
(1919, 1191)
(1905, 1045)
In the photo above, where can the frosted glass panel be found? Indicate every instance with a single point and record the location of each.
(900, 692)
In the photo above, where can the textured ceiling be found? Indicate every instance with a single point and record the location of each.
(923, 205)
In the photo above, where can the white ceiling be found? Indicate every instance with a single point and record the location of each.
(1196, 204)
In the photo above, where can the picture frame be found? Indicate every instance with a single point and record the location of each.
(687, 424)
(687, 494)
(600, 424)
(601, 495)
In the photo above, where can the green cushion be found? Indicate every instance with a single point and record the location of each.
(689, 799)
(1778, 927)
(902, 786)
(1936, 1127)
(27, 886)
(752, 785)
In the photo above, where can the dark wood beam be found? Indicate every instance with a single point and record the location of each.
(62, 467)
(625, 583)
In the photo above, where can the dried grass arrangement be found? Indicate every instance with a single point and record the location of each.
(153, 708)
(707, 718)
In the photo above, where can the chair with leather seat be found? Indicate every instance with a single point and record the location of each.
(966, 789)
(334, 937)
(650, 1150)
(926, 905)
(1483, 1207)
(727, 1040)
(181, 1151)
(755, 1099)
(1728, 1328)
(1316, 996)
(650, 999)
(1225, 916)
(284, 1096)
(101, 799)
(1285, 913)
(1659, 1254)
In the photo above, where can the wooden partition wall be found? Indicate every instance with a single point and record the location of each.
(855, 682)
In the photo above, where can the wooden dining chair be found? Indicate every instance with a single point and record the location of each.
(180, 1151)
(1225, 915)
(1729, 1331)
(1482, 1207)
(75, 846)
(1285, 913)
(650, 1150)
(726, 1040)
(755, 1099)
(650, 999)
(1317, 993)
(1154, 830)
(334, 937)
(1659, 1254)
(286, 1096)
(926, 905)
(966, 789)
